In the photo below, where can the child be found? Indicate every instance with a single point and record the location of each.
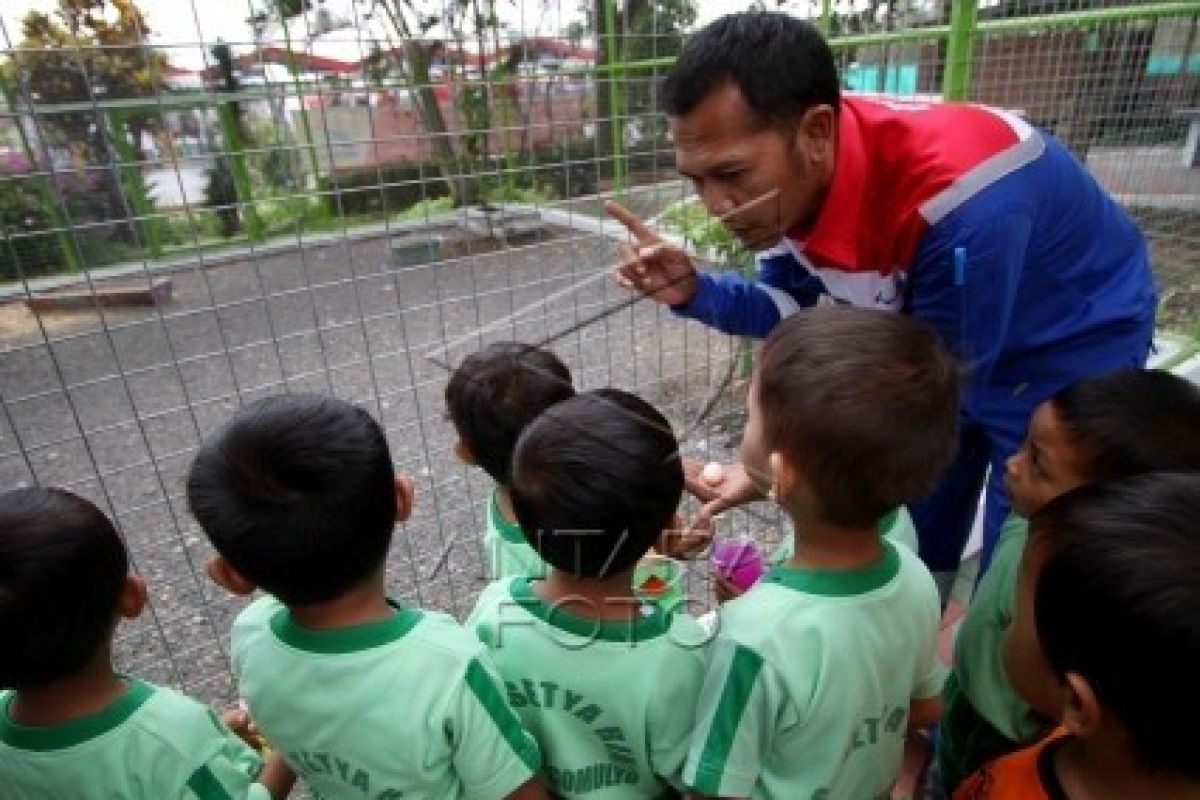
(1105, 428)
(70, 726)
(362, 696)
(1105, 642)
(490, 399)
(607, 686)
(820, 667)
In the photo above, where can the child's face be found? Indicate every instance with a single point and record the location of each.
(1024, 661)
(1047, 465)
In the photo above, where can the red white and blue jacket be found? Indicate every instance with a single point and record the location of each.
(966, 217)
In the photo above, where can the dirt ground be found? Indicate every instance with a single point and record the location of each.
(143, 386)
(114, 404)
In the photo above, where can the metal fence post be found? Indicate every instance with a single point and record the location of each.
(614, 97)
(237, 166)
(960, 49)
(134, 183)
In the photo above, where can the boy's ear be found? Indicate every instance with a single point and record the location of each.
(1082, 714)
(465, 453)
(224, 575)
(132, 598)
(406, 495)
(789, 487)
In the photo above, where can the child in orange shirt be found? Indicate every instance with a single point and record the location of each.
(1106, 641)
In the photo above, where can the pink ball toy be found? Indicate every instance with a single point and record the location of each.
(739, 561)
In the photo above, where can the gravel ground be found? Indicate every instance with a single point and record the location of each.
(144, 385)
(113, 405)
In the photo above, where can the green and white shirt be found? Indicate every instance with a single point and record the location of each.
(506, 551)
(896, 525)
(812, 674)
(611, 702)
(404, 707)
(151, 743)
(978, 650)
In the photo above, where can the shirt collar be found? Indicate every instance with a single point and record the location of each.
(76, 731)
(834, 237)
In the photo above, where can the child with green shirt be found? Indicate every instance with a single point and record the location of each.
(362, 696)
(1105, 642)
(70, 726)
(1105, 428)
(608, 685)
(490, 398)
(820, 668)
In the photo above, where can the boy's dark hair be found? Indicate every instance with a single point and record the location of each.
(62, 566)
(1117, 601)
(865, 402)
(780, 65)
(1133, 421)
(595, 480)
(298, 494)
(496, 392)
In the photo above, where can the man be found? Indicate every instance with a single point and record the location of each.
(965, 217)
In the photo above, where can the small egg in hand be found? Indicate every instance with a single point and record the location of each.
(713, 473)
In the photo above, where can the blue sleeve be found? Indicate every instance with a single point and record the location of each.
(736, 305)
(966, 275)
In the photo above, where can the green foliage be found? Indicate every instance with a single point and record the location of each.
(429, 207)
(527, 195)
(381, 192)
(29, 244)
(26, 249)
(185, 229)
(691, 220)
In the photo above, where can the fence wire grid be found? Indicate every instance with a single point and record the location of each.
(323, 231)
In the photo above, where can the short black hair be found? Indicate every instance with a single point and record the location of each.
(297, 493)
(781, 66)
(1117, 600)
(865, 402)
(596, 479)
(499, 390)
(1132, 421)
(62, 567)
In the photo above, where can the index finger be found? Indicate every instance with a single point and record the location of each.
(623, 215)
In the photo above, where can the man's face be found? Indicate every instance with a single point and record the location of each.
(734, 161)
(1047, 465)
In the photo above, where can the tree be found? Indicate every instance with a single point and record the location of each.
(652, 29)
(411, 26)
(641, 29)
(88, 51)
(285, 12)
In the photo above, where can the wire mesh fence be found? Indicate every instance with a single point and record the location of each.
(344, 204)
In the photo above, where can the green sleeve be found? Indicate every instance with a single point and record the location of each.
(229, 773)
(492, 754)
(743, 708)
(672, 712)
(483, 621)
(978, 657)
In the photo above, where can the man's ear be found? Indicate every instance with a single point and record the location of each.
(406, 495)
(465, 453)
(816, 134)
(1082, 713)
(224, 575)
(132, 598)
